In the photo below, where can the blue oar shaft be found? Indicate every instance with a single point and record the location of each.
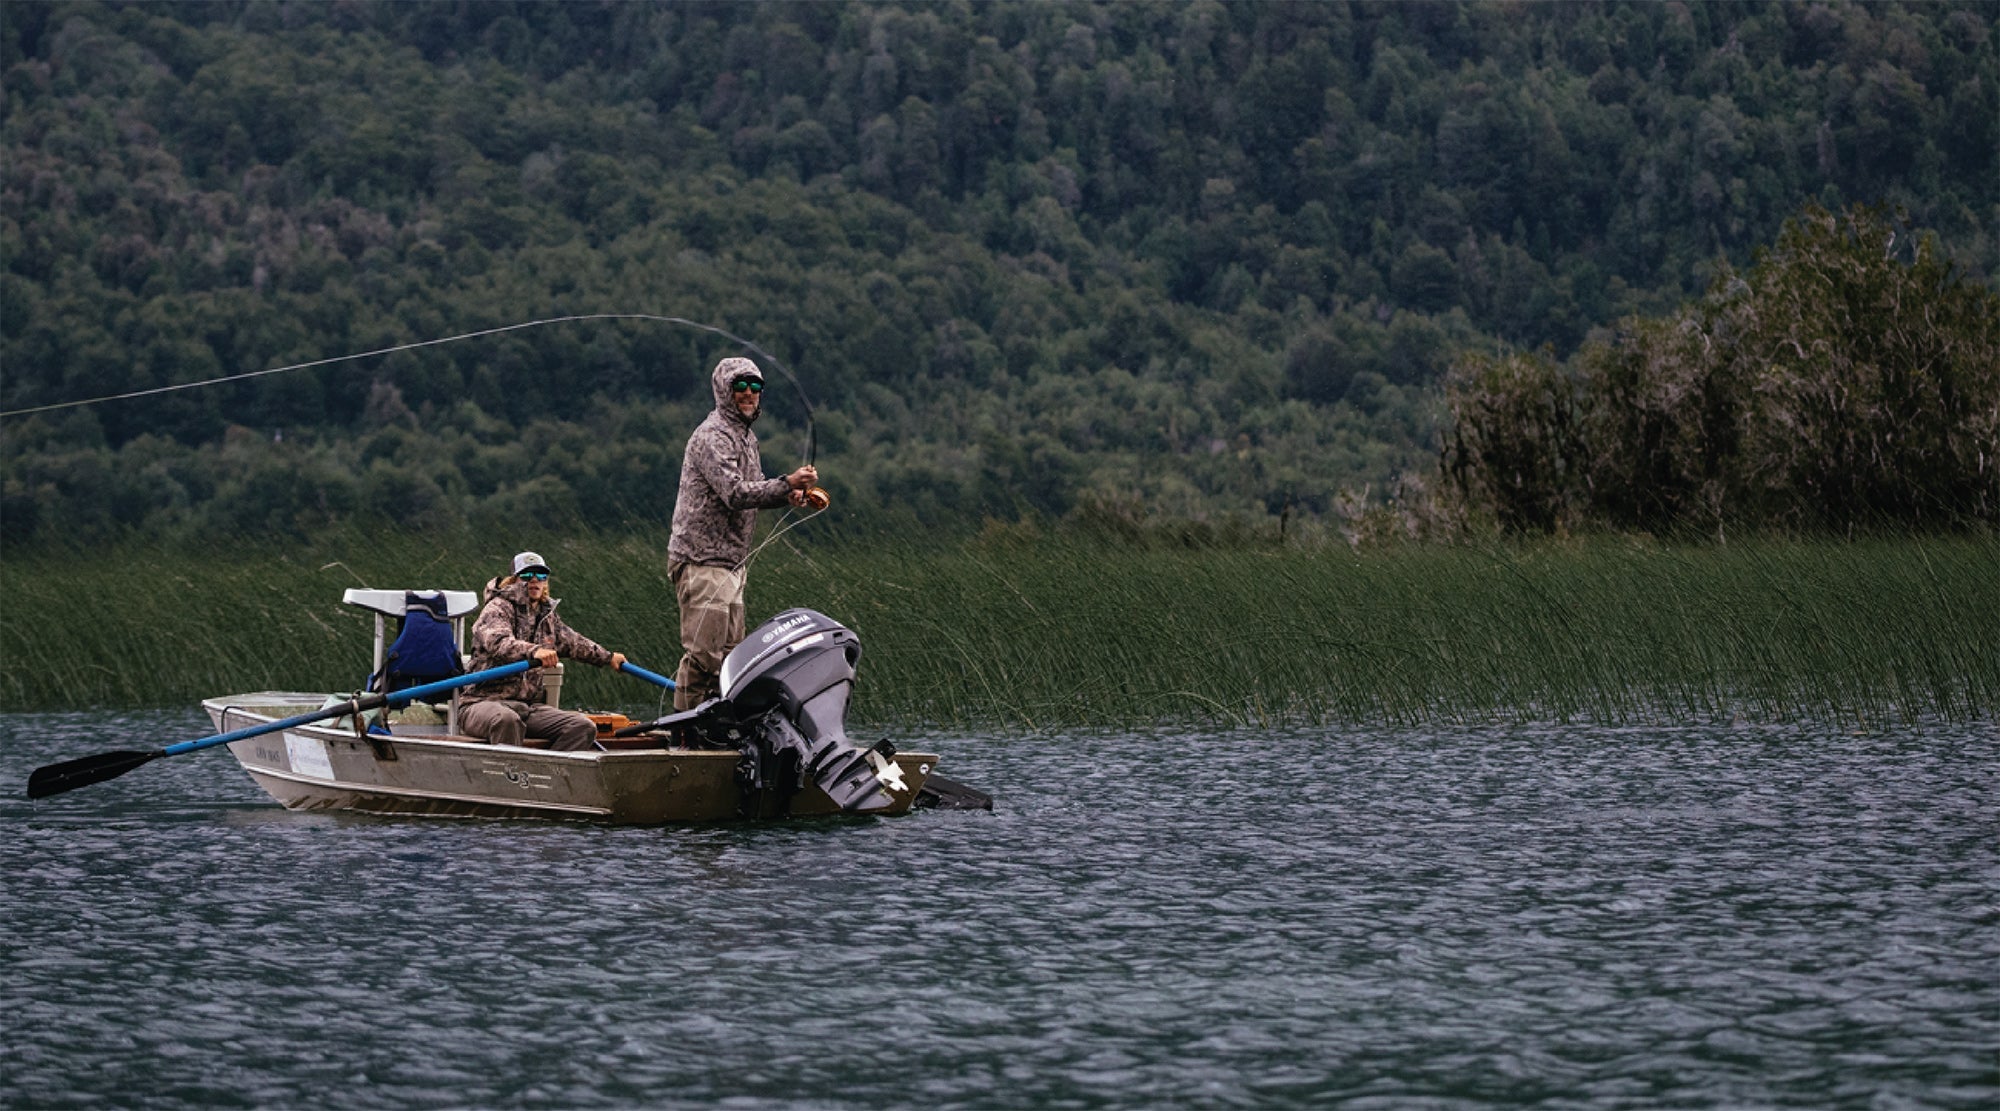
(651, 677)
(410, 694)
(360, 702)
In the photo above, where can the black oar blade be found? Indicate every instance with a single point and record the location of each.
(71, 774)
(939, 793)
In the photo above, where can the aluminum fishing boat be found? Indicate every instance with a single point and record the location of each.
(773, 745)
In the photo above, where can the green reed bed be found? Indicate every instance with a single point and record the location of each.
(1079, 634)
(1039, 632)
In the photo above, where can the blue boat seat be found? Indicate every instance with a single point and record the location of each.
(429, 624)
(426, 646)
(424, 651)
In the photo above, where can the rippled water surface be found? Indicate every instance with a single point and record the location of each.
(1566, 917)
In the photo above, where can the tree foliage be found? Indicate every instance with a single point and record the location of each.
(1209, 259)
(1849, 380)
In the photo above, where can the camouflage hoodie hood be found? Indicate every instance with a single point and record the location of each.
(726, 372)
(722, 480)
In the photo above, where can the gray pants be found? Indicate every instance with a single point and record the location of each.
(711, 603)
(504, 722)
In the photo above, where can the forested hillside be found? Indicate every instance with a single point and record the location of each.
(1203, 260)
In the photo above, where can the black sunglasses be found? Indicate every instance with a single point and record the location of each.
(750, 384)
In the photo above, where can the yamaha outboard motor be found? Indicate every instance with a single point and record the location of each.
(784, 706)
(794, 672)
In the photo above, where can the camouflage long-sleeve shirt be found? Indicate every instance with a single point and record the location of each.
(510, 628)
(722, 481)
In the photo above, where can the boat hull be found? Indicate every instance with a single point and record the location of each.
(422, 770)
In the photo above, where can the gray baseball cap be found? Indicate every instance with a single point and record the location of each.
(529, 561)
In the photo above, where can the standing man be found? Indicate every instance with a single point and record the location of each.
(519, 622)
(722, 488)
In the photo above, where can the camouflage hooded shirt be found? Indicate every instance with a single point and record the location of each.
(510, 628)
(722, 481)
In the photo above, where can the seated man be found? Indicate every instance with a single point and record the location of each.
(519, 622)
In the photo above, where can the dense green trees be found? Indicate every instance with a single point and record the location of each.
(1849, 380)
(1200, 258)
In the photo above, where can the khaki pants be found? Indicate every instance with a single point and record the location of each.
(505, 722)
(711, 601)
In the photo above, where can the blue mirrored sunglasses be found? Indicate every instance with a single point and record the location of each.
(537, 576)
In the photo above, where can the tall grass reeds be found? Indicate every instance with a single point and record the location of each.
(1020, 630)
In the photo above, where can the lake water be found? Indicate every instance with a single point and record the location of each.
(1491, 917)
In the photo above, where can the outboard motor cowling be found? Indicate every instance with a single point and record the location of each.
(783, 709)
(800, 662)
(795, 673)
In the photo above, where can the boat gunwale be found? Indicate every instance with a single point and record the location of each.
(242, 706)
